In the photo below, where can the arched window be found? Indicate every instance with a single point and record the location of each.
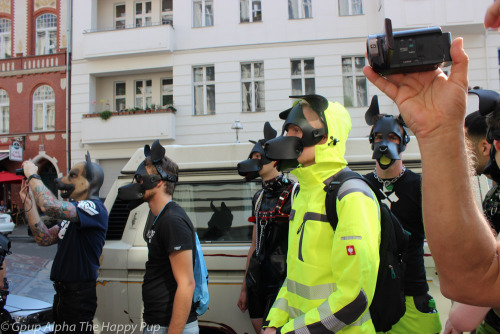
(46, 34)
(4, 111)
(44, 109)
(5, 39)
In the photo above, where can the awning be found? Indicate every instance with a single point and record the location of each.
(4, 155)
(8, 177)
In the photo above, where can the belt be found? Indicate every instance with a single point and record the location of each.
(58, 286)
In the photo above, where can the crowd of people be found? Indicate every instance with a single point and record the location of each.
(302, 275)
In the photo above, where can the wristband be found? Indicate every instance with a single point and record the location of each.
(34, 176)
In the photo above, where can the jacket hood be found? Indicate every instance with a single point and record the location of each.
(330, 156)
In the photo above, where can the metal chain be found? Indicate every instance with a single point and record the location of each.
(386, 183)
(259, 228)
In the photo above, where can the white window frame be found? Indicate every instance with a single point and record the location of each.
(302, 76)
(169, 91)
(146, 18)
(301, 5)
(5, 38)
(498, 52)
(252, 9)
(44, 96)
(119, 97)
(253, 80)
(351, 4)
(146, 95)
(121, 19)
(355, 74)
(204, 84)
(4, 111)
(167, 14)
(206, 6)
(46, 24)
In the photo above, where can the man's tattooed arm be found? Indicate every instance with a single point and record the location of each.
(43, 235)
(50, 205)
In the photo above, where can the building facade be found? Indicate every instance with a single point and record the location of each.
(218, 61)
(34, 88)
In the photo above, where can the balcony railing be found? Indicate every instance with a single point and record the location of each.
(128, 126)
(108, 43)
(32, 62)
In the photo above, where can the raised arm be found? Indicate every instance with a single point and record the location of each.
(460, 239)
(48, 203)
(43, 235)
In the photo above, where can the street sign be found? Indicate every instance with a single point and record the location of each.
(15, 152)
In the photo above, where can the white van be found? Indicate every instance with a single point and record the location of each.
(207, 175)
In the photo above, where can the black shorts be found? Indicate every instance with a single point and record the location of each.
(260, 302)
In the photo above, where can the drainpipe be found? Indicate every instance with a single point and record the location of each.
(68, 84)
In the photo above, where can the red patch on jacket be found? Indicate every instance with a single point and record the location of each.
(350, 250)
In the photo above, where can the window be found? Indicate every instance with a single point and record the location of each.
(203, 14)
(4, 111)
(204, 90)
(350, 7)
(143, 91)
(46, 34)
(167, 13)
(195, 199)
(252, 87)
(167, 92)
(120, 91)
(354, 82)
(143, 14)
(303, 77)
(5, 39)
(119, 16)
(250, 11)
(44, 109)
(299, 9)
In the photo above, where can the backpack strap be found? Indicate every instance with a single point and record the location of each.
(332, 191)
(282, 199)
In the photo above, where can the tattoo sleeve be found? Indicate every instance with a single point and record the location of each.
(53, 207)
(43, 235)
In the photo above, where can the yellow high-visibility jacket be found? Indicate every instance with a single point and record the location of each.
(331, 275)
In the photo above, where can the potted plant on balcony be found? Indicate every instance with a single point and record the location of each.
(171, 109)
(105, 114)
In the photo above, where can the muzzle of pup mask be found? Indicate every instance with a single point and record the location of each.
(83, 181)
(134, 193)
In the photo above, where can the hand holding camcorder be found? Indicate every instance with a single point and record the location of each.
(408, 51)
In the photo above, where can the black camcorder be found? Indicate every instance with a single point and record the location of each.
(408, 51)
(20, 171)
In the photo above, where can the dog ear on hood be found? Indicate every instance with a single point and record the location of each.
(95, 177)
(372, 111)
(269, 132)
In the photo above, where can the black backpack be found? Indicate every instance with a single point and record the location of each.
(388, 304)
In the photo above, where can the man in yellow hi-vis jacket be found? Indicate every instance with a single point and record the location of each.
(331, 275)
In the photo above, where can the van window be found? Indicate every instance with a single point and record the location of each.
(219, 210)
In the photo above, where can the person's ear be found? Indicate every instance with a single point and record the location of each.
(497, 145)
(484, 147)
